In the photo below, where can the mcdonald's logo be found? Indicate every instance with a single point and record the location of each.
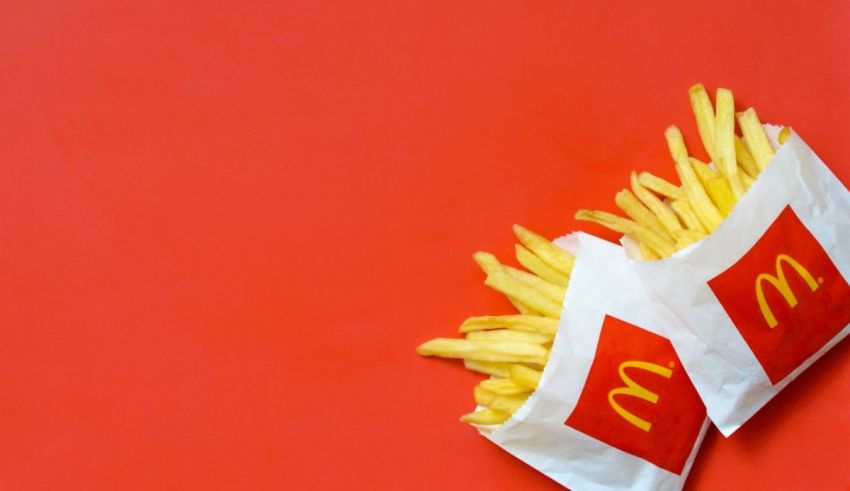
(636, 400)
(633, 389)
(780, 282)
(785, 296)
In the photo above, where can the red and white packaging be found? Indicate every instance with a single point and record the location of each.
(765, 295)
(614, 409)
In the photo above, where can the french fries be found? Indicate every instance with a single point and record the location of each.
(511, 348)
(663, 217)
(676, 216)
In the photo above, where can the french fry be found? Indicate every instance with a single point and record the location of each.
(703, 208)
(683, 210)
(724, 141)
(685, 238)
(704, 116)
(784, 133)
(549, 290)
(504, 387)
(636, 210)
(745, 159)
(551, 254)
(717, 188)
(495, 368)
(665, 215)
(755, 138)
(502, 282)
(746, 179)
(508, 404)
(645, 252)
(661, 186)
(509, 351)
(510, 335)
(536, 265)
(485, 417)
(529, 323)
(488, 263)
(675, 143)
(660, 245)
(522, 375)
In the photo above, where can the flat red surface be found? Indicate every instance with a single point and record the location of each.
(226, 225)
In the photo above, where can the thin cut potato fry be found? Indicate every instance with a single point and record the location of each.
(495, 368)
(530, 323)
(661, 186)
(704, 116)
(522, 308)
(508, 404)
(665, 215)
(485, 417)
(636, 210)
(784, 133)
(645, 252)
(522, 375)
(550, 254)
(504, 387)
(703, 208)
(746, 180)
(488, 262)
(550, 290)
(745, 158)
(510, 335)
(502, 282)
(717, 188)
(510, 351)
(755, 138)
(675, 143)
(724, 141)
(686, 215)
(657, 243)
(536, 265)
(687, 237)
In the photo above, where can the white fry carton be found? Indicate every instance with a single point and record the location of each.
(765, 295)
(614, 409)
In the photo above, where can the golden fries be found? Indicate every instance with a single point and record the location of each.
(663, 217)
(673, 217)
(510, 348)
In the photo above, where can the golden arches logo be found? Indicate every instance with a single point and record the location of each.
(634, 389)
(780, 282)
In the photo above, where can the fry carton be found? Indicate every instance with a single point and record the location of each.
(614, 409)
(756, 302)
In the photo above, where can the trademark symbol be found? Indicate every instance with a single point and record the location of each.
(672, 364)
(820, 280)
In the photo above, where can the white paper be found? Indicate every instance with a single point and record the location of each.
(601, 284)
(727, 374)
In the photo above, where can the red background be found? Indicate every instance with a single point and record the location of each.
(226, 225)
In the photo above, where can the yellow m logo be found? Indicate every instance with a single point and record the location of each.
(781, 284)
(634, 390)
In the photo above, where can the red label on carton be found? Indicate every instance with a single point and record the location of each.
(785, 296)
(638, 398)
